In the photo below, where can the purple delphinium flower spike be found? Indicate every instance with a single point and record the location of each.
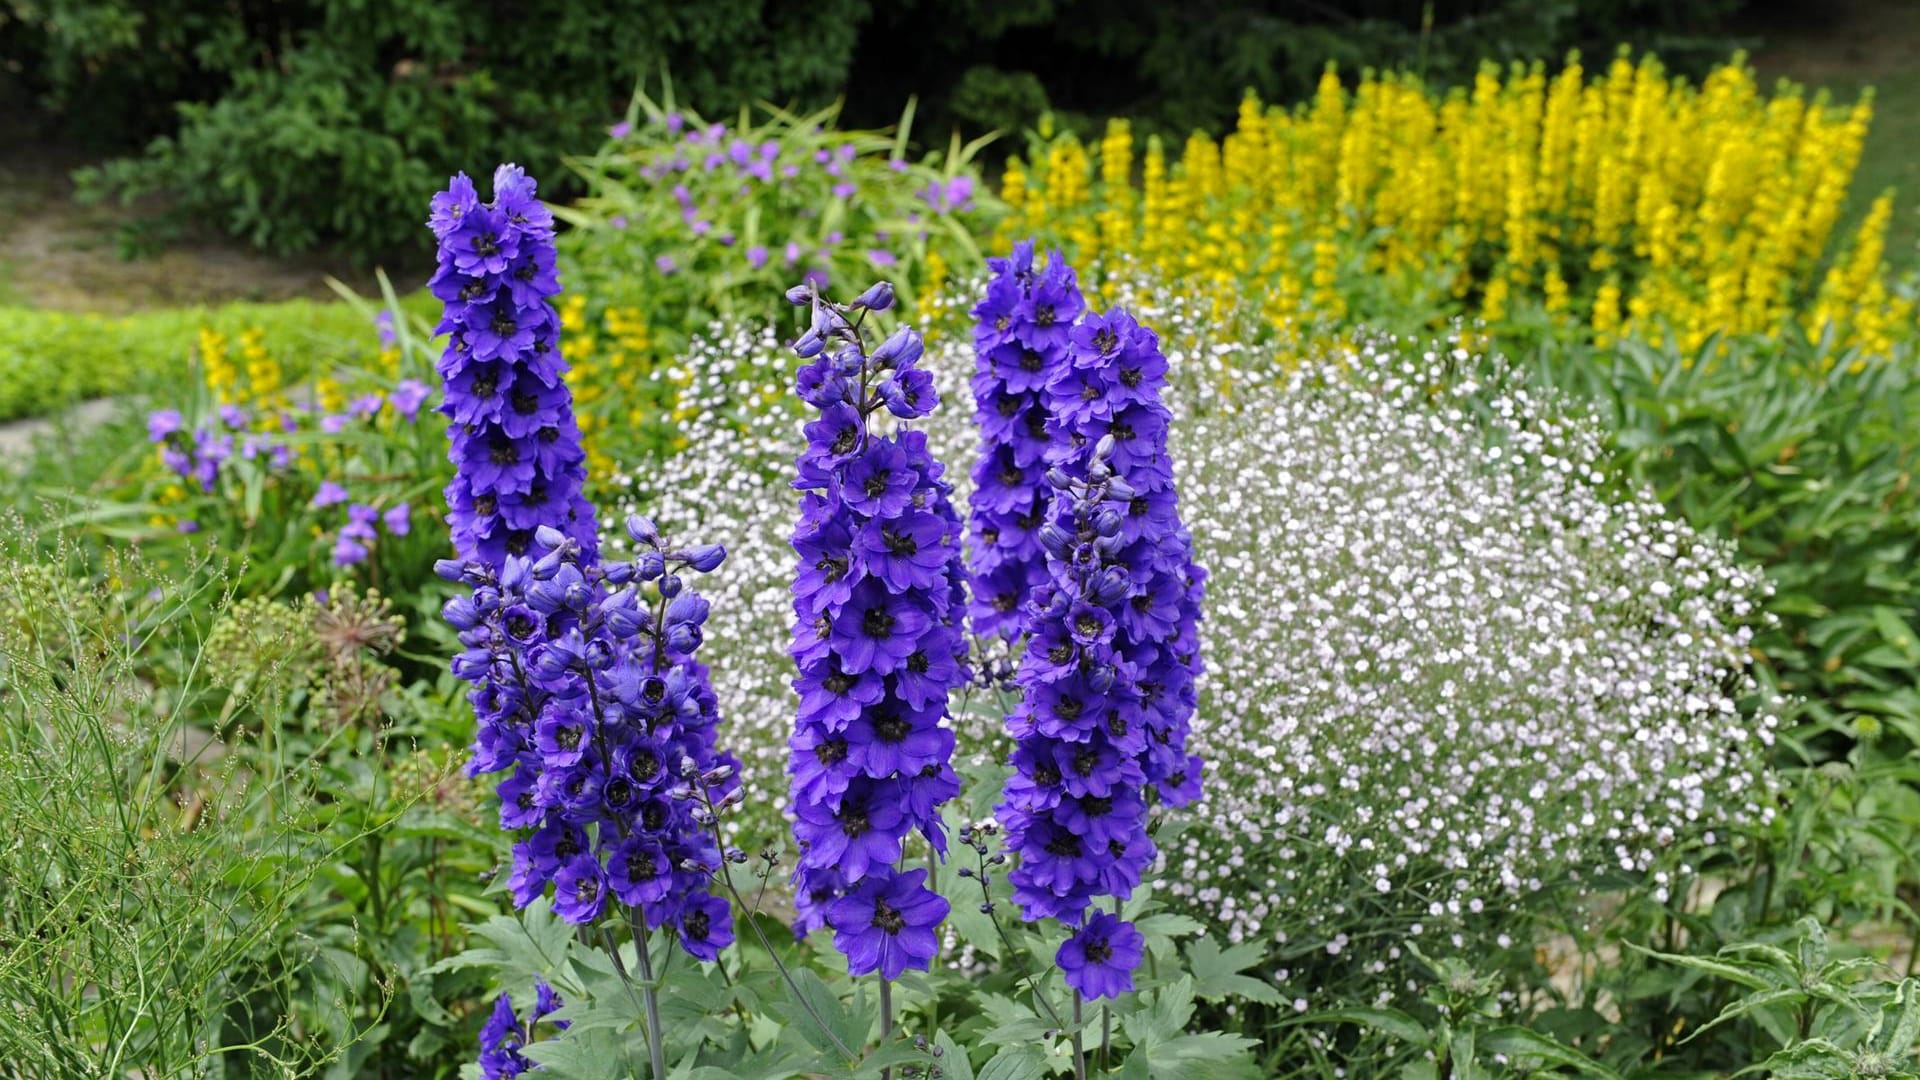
(1107, 678)
(1019, 345)
(589, 696)
(878, 602)
(516, 447)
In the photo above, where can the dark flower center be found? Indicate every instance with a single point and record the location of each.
(1121, 432)
(1031, 361)
(1089, 392)
(1068, 707)
(486, 244)
(567, 738)
(1064, 844)
(876, 484)
(1087, 624)
(525, 403)
(831, 752)
(833, 566)
(878, 623)
(654, 817)
(1002, 323)
(1099, 952)
(1116, 725)
(837, 683)
(520, 626)
(1009, 476)
(1085, 761)
(1130, 377)
(1105, 340)
(918, 663)
(643, 867)
(899, 543)
(503, 324)
(585, 890)
(1043, 315)
(485, 385)
(566, 847)
(619, 792)
(853, 822)
(1137, 506)
(1099, 806)
(1007, 406)
(696, 924)
(504, 453)
(891, 727)
(1005, 601)
(844, 442)
(1046, 775)
(888, 918)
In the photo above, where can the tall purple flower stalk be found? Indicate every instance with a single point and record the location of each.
(1107, 679)
(516, 447)
(877, 641)
(586, 686)
(1020, 345)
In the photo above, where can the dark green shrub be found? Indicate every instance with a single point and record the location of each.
(306, 123)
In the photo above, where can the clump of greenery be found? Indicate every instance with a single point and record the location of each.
(145, 901)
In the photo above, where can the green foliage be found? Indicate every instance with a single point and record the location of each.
(147, 908)
(51, 359)
(674, 224)
(1806, 461)
(309, 123)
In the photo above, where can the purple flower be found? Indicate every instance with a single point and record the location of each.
(878, 602)
(162, 423)
(1012, 410)
(383, 324)
(348, 551)
(334, 424)
(501, 339)
(366, 406)
(666, 264)
(887, 922)
(407, 398)
(233, 416)
(1098, 960)
(757, 256)
(328, 494)
(620, 130)
(398, 519)
(1107, 677)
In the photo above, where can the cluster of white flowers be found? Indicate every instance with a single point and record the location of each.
(1448, 662)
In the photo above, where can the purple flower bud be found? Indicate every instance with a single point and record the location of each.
(878, 297)
(706, 558)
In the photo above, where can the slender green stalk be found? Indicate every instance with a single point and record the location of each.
(1079, 1050)
(650, 996)
(886, 1020)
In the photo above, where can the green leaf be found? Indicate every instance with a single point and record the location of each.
(953, 1060)
(1518, 1041)
(1735, 973)
(1015, 1063)
(1387, 1021)
(817, 1015)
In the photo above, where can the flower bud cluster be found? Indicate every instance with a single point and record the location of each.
(1020, 344)
(877, 640)
(516, 446)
